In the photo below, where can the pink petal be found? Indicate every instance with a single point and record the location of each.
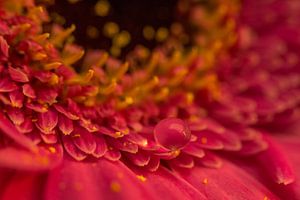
(153, 164)
(208, 140)
(3, 49)
(276, 163)
(72, 150)
(229, 182)
(44, 158)
(49, 138)
(63, 111)
(101, 147)
(194, 150)
(16, 98)
(9, 129)
(139, 159)
(84, 141)
(30, 186)
(26, 126)
(165, 184)
(184, 161)
(112, 154)
(16, 116)
(47, 121)
(28, 91)
(65, 125)
(93, 181)
(7, 85)
(123, 145)
(18, 75)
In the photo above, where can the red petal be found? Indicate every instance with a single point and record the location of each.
(101, 147)
(16, 98)
(276, 163)
(7, 85)
(84, 141)
(26, 126)
(194, 150)
(72, 150)
(112, 154)
(184, 161)
(28, 91)
(210, 160)
(47, 121)
(63, 111)
(165, 184)
(18, 75)
(228, 182)
(65, 125)
(30, 186)
(49, 138)
(16, 116)
(3, 49)
(9, 129)
(123, 145)
(153, 164)
(44, 158)
(94, 181)
(208, 140)
(139, 159)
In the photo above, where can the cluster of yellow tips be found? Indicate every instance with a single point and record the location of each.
(147, 75)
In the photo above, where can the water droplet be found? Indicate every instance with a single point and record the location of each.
(172, 133)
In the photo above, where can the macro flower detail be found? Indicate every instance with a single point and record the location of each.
(202, 106)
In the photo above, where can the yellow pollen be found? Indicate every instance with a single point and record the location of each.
(161, 34)
(203, 140)
(148, 32)
(92, 32)
(190, 97)
(118, 134)
(144, 143)
(41, 38)
(102, 8)
(115, 186)
(110, 29)
(53, 65)
(205, 181)
(52, 149)
(129, 100)
(115, 51)
(141, 178)
(73, 1)
(76, 135)
(176, 153)
(39, 56)
(122, 39)
(266, 198)
(54, 79)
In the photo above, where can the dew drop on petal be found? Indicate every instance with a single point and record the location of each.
(172, 133)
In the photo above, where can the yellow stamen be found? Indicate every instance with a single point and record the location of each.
(148, 32)
(141, 178)
(115, 186)
(102, 8)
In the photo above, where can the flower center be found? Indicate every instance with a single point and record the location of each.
(172, 133)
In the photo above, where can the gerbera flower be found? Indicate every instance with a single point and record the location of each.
(210, 111)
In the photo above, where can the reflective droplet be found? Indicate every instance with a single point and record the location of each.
(172, 133)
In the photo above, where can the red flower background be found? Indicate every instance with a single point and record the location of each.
(210, 111)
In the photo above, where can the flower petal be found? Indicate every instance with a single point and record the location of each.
(9, 129)
(228, 182)
(93, 181)
(44, 158)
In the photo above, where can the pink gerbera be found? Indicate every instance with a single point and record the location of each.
(212, 112)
